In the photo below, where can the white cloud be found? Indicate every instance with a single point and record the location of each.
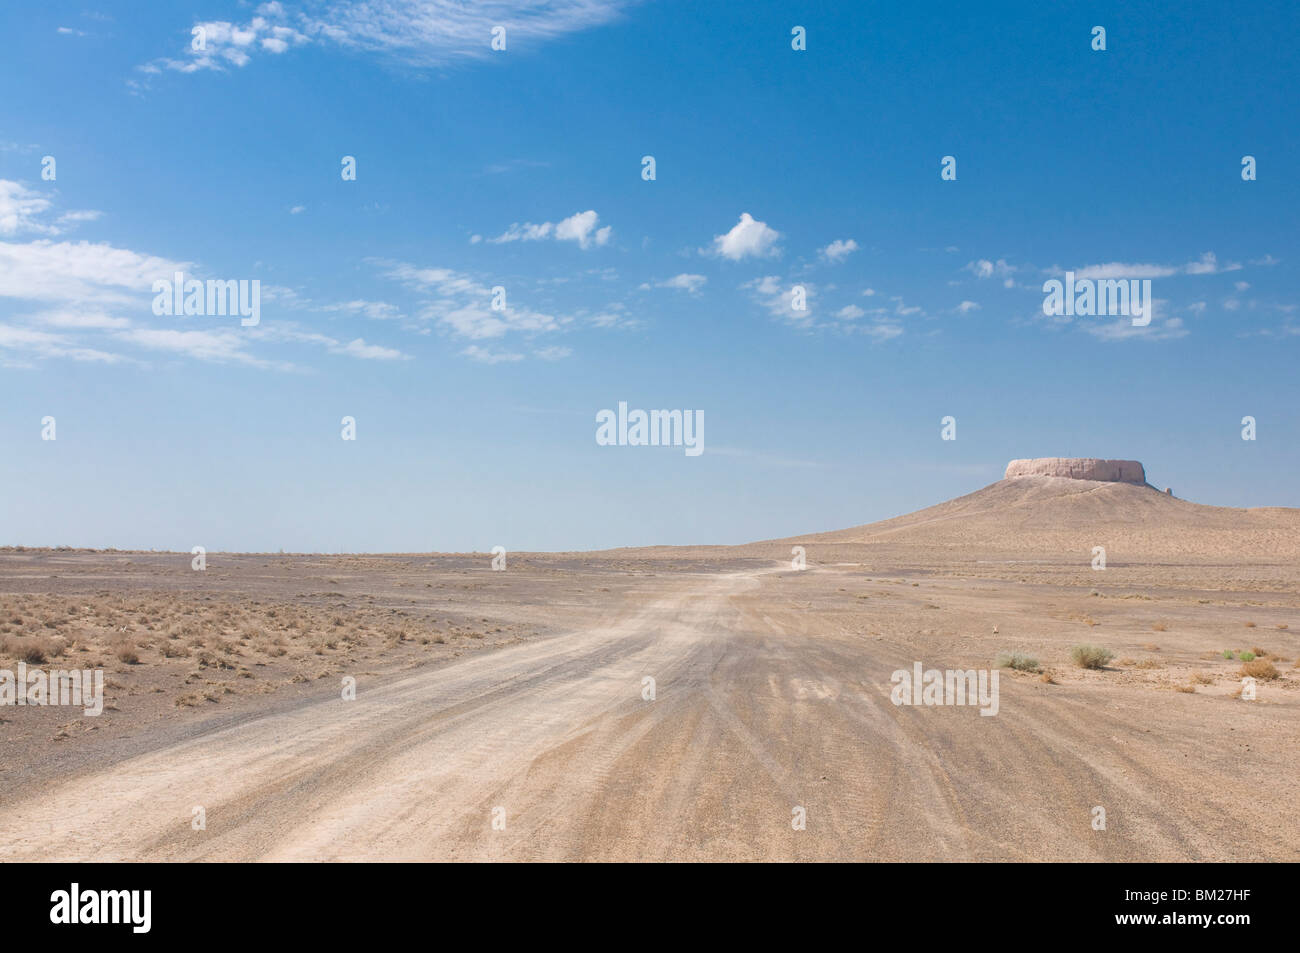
(967, 306)
(79, 271)
(983, 268)
(580, 227)
(21, 210)
(370, 352)
(882, 330)
(484, 356)
(684, 282)
(375, 310)
(79, 319)
(749, 238)
(76, 217)
(224, 44)
(417, 32)
(1207, 264)
(221, 346)
(850, 312)
(43, 344)
(553, 353)
(1161, 328)
(463, 305)
(358, 348)
(838, 250)
(778, 299)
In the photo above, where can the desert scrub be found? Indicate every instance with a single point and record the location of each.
(1017, 660)
(1260, 669)
(1229, 654)
(1247, 656)
(1090, 656)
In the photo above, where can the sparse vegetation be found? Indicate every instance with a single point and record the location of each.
(1247, 656)
(1091, 656)
(1016, 660)
(198, 648)
(1260, 669)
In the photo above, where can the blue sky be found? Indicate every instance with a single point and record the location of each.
(522, 169)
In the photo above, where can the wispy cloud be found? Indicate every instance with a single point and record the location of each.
(582, 227)
(838, 250)
(485, 356)
(415, 32)
(216, 346)
(683, 282)
(1207, 264)
(462, 304)
(779, 299)
(984, 268)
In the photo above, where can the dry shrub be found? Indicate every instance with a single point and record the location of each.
(1260, 669)
(1201, 678)
(1158, 626)
(33, 652)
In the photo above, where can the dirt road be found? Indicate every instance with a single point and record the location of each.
(759, 709)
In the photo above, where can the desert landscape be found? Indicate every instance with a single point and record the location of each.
(681, 703)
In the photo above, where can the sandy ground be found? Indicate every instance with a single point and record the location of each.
(772, 693)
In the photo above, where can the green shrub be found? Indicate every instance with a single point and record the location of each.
(1017, 660)
(1091, 656)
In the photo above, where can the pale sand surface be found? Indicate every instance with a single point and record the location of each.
(523, 690)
